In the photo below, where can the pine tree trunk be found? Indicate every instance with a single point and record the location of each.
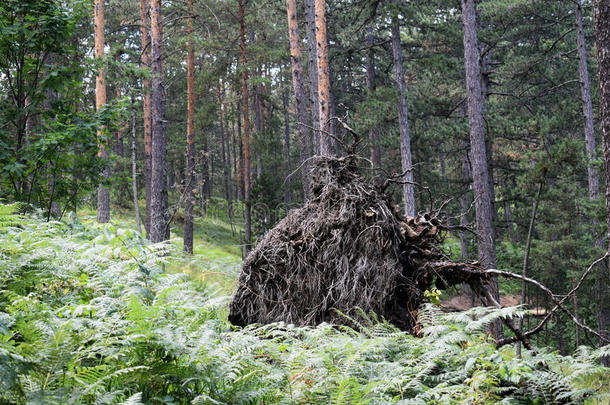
(592, 175)
(326, 143)
(227, 138)
(528, 243)
(235, 182)
(244, 91)
(371, 87)
(312, 68)
(480, 175)
(287, 194)
(484, 61)
(441, 160)
(224, 145)
(508, 218)
(258, 116)
(171, 174)
(491, 183)
(145, 62)
(240, 160)
(159, 227)
(118, 146)
(206, 186)
(602, 35)
(575, 304)
(299, 94)
(134, 171)
(465, 170)
(587, 106)
(408, 190)
(103, 193)
(189, 176)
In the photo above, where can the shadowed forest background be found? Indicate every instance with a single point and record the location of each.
(146, 148)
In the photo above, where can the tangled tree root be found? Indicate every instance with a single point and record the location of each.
(348, 248)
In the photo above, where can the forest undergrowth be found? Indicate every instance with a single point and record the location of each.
(89, 315)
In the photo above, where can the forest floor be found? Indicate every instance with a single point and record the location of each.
(216, 248)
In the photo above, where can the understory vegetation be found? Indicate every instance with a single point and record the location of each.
(93, 313)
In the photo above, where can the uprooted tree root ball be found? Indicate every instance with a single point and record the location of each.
(347, 249)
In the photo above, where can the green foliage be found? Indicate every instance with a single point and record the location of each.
(48, 144)
(88, 316)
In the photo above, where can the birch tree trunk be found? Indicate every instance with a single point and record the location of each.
(145, 62)
(159, 227)
(602, 35)
(408, 190)
(103, 193)
(299, 94)
(189, 177)
(480, 175)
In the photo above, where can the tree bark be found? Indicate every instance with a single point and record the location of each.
(287, 194)
(189, 176)
(312, 67)
(103, 193)
(575, 304)
(145, 62)
(371, 86)
(206, 186)
(587, 106)
(240, 161)
(495, 222)
(508, 218)
(602, 35)
(227, 139)
(480, 175)
(244, 93)
(408, 190)
(134, 171)
(590, 147)
(159, 226)
(465, 170)
(326, 144)
(484, 61)
(224, 144)
(299, 94)
(258, 116)
(234, 112)
(118, 146)
(526, 259)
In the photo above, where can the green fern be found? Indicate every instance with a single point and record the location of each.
(88, 316)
